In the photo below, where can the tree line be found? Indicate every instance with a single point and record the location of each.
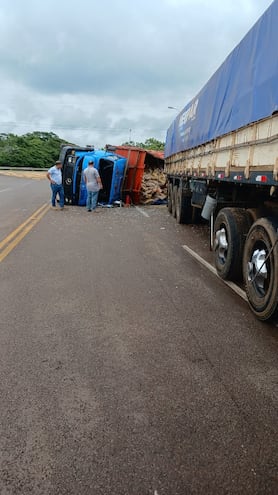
(41, 149)
(149, 144)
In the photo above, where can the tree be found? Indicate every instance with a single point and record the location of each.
(149, 144)
(37, 149)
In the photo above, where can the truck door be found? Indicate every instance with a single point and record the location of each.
(77, 179)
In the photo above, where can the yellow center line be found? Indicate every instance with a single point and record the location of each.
(14, 238)
(18, 229)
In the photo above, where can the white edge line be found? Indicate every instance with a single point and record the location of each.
(7, 189)
(211, 268)
(142, 211)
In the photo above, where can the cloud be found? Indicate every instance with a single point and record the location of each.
(109, 70)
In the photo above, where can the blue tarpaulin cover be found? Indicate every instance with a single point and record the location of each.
(243, 90)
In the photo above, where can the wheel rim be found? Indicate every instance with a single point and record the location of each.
(258, 273)
(221, 244)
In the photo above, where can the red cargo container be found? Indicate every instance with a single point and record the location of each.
(134, 173)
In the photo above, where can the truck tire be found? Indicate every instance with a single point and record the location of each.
(183, 207)
(178, 196)
(230, 230)
(196, 215)
(174, 200)
(260, 268)
(170, 197)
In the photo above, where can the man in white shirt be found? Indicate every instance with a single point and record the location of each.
(54, 175)
(93, 185)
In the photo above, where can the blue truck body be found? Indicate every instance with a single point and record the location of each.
(111, 167)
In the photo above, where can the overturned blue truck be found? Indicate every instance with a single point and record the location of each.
(111, 167)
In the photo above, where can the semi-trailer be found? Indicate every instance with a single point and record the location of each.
(221, 160)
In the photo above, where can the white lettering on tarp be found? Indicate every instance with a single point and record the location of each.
(185, 133)
(189, 114)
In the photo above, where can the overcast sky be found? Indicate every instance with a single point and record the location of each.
(104, 72)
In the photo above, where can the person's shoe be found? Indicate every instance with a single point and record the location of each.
(53, 208)
(96, 211)
(89, 209)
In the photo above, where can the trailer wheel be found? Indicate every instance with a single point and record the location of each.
(183, 207)
(196, 215)
(174, 200)
(178, 197)
(230, 230)
(170, 197)
(260, 268)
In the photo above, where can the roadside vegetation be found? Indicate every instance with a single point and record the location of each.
(149, 144)
(41, 149)
(36, 149)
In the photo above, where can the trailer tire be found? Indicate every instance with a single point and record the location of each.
(183, 207)
(170, 197)
(196, 215)
(230, 230)
(260, 268)
(174, 200)
(178, 194)
(186, 210)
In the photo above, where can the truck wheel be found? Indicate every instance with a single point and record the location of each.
(230, 230)
(196, 215)
(260, 268)
(178, 195)
(174, 200)
(170, 197)
(183, 207)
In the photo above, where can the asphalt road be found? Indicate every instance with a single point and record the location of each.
(19, 198)
(126, 368)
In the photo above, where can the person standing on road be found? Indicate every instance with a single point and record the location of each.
(93, 185)
(54, 175)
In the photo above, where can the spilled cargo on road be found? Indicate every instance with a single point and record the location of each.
(145, 181)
